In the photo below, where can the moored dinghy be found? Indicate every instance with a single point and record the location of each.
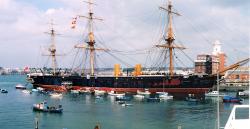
(139, 97)
(164, 95)
(99, 92)
(146, 92)
(112, 93)
(230, 99)
(20, 86)
(26, 91)
(40, 89)
(75, 91)
(55, 95)
(4, 91)
(192, 98)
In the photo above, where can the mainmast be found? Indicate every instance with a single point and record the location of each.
(52, 48)
(169, 38)
(91, 38)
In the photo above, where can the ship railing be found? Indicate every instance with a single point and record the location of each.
(234, 123)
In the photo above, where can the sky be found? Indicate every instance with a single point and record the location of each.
(132, 27)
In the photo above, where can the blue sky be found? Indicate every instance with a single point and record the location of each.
(128, 25)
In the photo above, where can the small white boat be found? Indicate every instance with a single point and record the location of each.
(214, 94)
(55, 95)
(234, 122)
(74, 91)
(40, 89)
(146, 92)
(138, 96)
(99, 92)
(164, 95)
(20, 86)
(243, 94)
(126, 104)
(26, 91)
(112, 93)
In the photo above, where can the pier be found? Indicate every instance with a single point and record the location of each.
(233, 88)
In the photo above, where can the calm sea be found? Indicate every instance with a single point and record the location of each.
(84, 112)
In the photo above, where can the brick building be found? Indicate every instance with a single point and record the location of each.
(239, 77)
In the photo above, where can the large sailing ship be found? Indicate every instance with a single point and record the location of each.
(171, 82)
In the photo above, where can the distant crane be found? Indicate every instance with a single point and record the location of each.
(233, 66)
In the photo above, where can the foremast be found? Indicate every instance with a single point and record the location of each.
(91, 37)
(169, 37)
(52, 48)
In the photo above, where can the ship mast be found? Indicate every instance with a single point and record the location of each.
(169, 38)
(91, 38)
(52, 48)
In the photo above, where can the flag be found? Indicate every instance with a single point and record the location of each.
(73, 23)
(26, 69)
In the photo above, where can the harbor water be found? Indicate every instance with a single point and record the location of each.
(84, 111)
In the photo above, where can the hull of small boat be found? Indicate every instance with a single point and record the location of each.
(47, 109)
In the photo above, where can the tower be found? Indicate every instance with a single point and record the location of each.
(221, 56)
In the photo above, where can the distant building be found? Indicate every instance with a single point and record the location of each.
(203, 64)
(238, 77)
(211, 63)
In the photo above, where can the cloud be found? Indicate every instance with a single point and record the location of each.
(128, 26)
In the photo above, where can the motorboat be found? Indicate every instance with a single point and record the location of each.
(243, 94)
(43, 107)
(230, 99)
(20, 86)
(235, 121)
(214, 94)
(112, 93)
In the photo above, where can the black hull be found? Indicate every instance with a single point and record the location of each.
(130, 83)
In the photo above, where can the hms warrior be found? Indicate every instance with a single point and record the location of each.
(176, 84)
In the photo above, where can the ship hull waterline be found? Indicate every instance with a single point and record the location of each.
(178, 86)
(178, 93)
